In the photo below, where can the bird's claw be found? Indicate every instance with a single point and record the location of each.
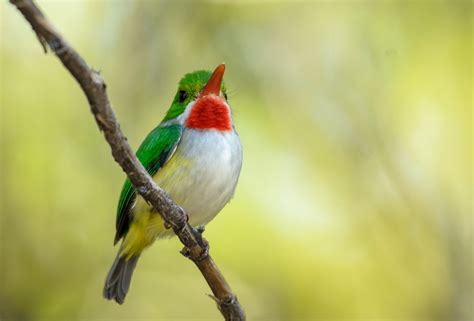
(202, 242)
(205, 252)
(187, 253)
(197, 232)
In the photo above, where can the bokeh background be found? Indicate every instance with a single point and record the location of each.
(355, 199)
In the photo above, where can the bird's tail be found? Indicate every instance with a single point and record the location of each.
(119, 277)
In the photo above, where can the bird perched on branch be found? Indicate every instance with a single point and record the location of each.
(195, 156)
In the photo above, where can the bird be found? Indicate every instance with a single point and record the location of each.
(195, 156)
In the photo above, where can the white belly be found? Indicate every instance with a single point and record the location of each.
(202, 174)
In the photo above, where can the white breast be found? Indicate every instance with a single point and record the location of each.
(202, 174)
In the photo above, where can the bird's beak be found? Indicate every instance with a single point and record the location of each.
(213, 85)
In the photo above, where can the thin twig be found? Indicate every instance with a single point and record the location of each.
(174, 216)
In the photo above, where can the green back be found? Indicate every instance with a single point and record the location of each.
(160, 143)
(152, 153)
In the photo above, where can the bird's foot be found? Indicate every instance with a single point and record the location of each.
(202, 241)
(197, 232)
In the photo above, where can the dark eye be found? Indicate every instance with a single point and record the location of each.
(182, 96)
(225, 96)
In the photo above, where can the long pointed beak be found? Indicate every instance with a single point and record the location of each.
(213, 85)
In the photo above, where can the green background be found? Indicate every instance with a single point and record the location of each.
(355, 199)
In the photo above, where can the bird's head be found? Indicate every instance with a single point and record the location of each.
(201, 102)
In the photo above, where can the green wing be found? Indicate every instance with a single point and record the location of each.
(155, 150)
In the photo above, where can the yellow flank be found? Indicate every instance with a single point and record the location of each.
(147, 225)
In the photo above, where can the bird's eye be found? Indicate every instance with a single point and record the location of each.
(182, 96)
(225, 96)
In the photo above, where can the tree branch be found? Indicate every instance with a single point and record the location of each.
(174, 216)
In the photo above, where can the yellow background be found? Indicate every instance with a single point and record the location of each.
(355, 199)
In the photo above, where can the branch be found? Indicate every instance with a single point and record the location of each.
(174, 216)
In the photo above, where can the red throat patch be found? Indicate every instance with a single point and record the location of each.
(210, 112)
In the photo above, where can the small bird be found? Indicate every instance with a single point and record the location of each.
(195, 155)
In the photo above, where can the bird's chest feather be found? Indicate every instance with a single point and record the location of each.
(202, 174)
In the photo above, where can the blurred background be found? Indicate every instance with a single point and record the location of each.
(355, 199)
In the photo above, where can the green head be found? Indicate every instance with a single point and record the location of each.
(195, 85)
